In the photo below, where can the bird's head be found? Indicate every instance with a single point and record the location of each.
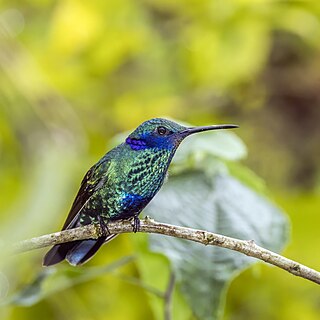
(165, 134)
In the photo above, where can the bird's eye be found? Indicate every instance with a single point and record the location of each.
(162, 131)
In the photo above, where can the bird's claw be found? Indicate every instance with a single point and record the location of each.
(136, 224)
(103, 227)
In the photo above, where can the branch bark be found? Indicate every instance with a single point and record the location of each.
(148, 225)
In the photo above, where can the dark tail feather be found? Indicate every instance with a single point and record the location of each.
(58, 253)
(75, 252)
(84, 250)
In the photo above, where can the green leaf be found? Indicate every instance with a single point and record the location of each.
(207, 152)
(247, 176)
(223, 205)
(222, 144)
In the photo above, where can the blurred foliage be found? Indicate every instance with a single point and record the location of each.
(200, 183)
(73, 73)
(221, 204)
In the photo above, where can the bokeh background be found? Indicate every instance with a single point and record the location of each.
(74, 73)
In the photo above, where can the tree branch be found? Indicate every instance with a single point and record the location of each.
(148, 225)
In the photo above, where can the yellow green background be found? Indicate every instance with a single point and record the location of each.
(74, 73)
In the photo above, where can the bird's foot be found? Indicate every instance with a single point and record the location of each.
(103, 226)
(136, 224)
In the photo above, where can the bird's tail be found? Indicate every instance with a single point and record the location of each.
(75, 252)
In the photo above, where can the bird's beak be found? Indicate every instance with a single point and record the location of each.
(192, 130)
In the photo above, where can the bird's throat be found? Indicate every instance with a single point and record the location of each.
(136, 144)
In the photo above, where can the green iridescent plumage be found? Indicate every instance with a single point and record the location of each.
(122, 183)
(126, 175)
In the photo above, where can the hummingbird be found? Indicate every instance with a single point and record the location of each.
(121, 184)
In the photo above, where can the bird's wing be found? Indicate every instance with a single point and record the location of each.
(92, 181)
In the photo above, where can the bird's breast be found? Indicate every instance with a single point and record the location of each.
(132, 182)
(147, 172)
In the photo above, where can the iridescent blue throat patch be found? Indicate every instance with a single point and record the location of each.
(136, 144)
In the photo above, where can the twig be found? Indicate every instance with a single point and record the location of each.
(168, 297)
(248, 248)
